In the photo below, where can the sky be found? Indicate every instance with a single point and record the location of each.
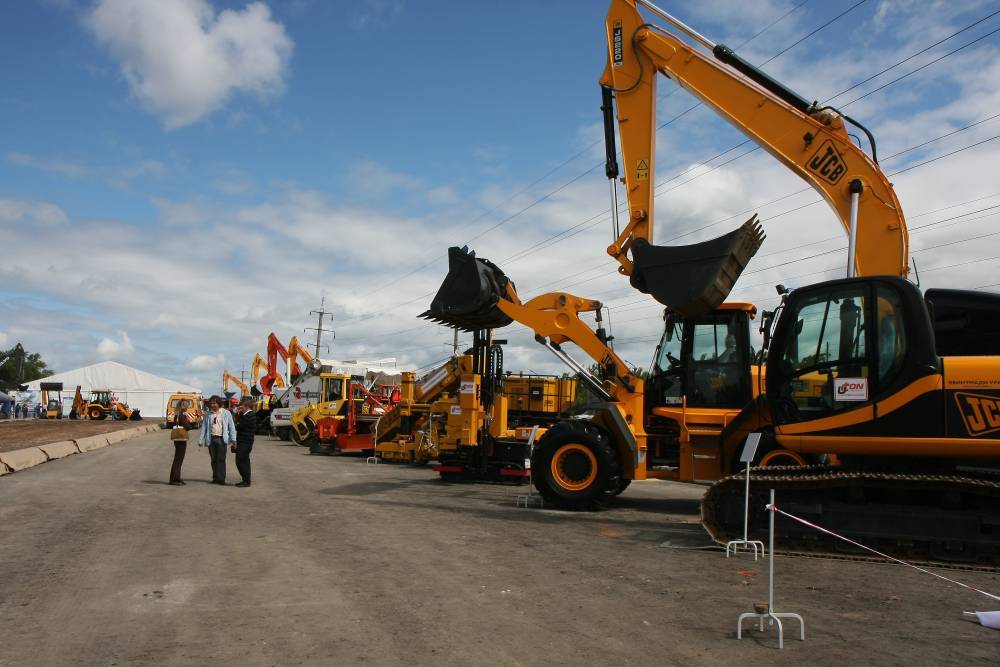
(179, 178)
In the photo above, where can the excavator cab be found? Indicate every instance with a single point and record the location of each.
(842, 345)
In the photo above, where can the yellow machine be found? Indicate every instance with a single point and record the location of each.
(435, 419)
(102, 404)
(190, 403)
(51, 406)
(255, 368)
(345, 415)
(228, 378)
(908, 424)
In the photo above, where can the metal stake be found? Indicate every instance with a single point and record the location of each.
(772, 617)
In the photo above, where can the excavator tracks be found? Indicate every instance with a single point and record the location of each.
(932, 518)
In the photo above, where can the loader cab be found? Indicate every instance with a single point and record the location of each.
(704, 361)
(840, 346)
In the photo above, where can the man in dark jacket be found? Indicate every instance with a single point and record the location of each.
(246, 426)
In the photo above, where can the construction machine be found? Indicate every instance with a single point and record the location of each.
(344, 417)
(256, 365)
(434, 420)
(289, 355)
(228, 378)
(854, 373)
(103, 403)
(51, 407)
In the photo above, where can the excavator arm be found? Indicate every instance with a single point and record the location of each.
(297, 351)
(810, 140)
(228, 377)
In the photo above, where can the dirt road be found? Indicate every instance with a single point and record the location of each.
(332, 561)
(17, 434)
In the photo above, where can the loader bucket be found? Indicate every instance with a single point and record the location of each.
(467, 299)
(693, 280)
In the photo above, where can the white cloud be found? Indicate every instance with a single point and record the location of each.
(3, 339)
(375, 178)
(182, 60)
(206, 362)
(58, 166)
(31, 213)
(116, 349)
(376, 13)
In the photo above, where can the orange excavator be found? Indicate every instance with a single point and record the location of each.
(275, 349)
(255, 368)
(901, 388)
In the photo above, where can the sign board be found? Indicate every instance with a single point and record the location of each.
(456, 409)
(468, 388)
(850, 389)
(750, 448)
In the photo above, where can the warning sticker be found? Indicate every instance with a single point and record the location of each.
(468, 388)
(642, 170)
(456, 409)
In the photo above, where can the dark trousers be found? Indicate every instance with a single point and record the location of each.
(243, 460)
(217, 452)
(180, 447)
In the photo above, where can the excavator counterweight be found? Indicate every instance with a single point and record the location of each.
(693, 280)
(467, 299)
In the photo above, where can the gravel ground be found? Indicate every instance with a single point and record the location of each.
(18, 434)
(332, 561)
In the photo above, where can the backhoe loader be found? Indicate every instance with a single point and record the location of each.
(102, 404)
(854, 367)
(51, 406)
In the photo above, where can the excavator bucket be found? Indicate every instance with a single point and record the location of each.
(467, 299)
(693, 280)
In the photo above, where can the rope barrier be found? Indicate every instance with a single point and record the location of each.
(772, 506)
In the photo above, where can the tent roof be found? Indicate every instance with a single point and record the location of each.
(113, 375)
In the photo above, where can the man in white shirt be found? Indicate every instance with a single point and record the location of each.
(217, 432)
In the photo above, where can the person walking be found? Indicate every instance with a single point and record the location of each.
(246, 427)
(179, 434)
(217, 433)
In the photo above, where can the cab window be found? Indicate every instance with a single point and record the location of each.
(332, 389)
(891, 334)
(668, 367)
(823, 366)
(718, 369)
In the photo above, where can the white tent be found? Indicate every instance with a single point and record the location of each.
(142, 390)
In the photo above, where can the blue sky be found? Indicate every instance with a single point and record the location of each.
(179, 178)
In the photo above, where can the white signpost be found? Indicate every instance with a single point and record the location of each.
(749, 451)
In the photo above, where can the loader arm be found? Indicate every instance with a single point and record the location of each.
(810, 141)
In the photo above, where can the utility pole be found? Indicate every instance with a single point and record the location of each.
(321, 313)
(454, 345)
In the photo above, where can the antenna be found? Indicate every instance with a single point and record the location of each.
(321, 313)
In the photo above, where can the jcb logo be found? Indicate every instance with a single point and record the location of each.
(828, 163)
(980, 413)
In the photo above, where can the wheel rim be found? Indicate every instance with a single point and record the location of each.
(574, 467)
(782, 457)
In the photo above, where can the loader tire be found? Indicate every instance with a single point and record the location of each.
(96, 413)
(575, 467)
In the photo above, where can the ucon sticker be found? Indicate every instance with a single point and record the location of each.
(850, 389)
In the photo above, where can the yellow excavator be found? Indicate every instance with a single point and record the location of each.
(858, 370)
